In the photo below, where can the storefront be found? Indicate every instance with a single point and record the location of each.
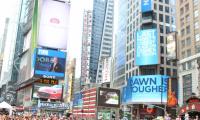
(191, 106)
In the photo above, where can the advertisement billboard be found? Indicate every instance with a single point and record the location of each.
(146, 5)
(78, 100)
(53, 105)
(146, 47)
(108, 97)
(49, 64)
(47, 91)
(150, 89)
(106, 71)
(171, 46)
(54, 20)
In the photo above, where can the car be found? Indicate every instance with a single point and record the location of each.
(53, 92)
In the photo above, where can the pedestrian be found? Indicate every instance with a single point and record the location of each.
(178, 118)
(167, 117)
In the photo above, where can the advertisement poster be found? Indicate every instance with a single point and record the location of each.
(146, 5)
(171, 46)
(49, 64)
(146, 89)
(53, 29)
(104, 115)
(146, 47)
(47, 92)
(108, 97)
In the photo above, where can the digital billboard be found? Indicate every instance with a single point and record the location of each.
(47, 92)
(78, 100)
(146, 5)
(108, 97)
(150, 89)
(171, 46)
(146, 47)
(49, 64)
(54, 20)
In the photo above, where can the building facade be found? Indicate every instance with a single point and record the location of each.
(86, 45)
(102, 37)
(120, 45)
(187, 22)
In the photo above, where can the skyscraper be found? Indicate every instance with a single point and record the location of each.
(102, 37)
(188, 22)
(120, 45)
(86, 45)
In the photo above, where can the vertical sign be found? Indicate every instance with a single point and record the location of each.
(146, 47)
(146, 5)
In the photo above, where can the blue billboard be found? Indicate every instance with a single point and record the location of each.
(146, 5)
(49, 64)
(150, 89)
(78, 100)
(146, 47)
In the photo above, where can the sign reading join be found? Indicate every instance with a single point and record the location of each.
(146, 47)
(146, 89)
(146, 5)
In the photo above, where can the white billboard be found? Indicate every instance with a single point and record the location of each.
(171, 46)
(54, 20)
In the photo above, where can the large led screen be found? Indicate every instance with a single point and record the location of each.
(108, 97)
(150, 89)
(146, 47)
(146, 5)
(49, 64)
(47, 92)
(53, 29)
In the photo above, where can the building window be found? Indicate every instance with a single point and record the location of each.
(181, 11)
(196, 13)
(161, 70)
(160, 0)
(195, 2)
(197, 49)
(168, 72)
(197, 37)
(161, 17)
(183, 43)
(187, 18)
(196, 25)
(187, 86)
(154, 16)
(167, 29)
(189, 65)
(167, 19)
(155, 6)
(167, 9)
(166, 1)
(188, 29)
(162, 60)
(162, 49)
(160, 7)
(188, 41)
(187, 7)
(184, 66)
(174, 72)
(161, 29)
(182, 32)
(183, 54)
(189, 53)
(182, 21)
(161, 39)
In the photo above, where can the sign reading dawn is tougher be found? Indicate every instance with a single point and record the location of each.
(146, 89)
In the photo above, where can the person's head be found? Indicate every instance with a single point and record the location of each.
(55, 60)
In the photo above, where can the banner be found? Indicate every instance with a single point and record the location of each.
(149, 89)
(146, 5)
(53, 105)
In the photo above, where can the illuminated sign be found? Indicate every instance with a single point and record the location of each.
(47, 81)
(146, 5)
(171, 46)
(49, 64)
(53, 105)
(47, 91)
(146, 47)
(108, 97)
(146, 89)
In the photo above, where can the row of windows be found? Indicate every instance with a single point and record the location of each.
(186, 53)
(186, 42)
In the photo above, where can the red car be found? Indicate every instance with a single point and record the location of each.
(53, 92)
